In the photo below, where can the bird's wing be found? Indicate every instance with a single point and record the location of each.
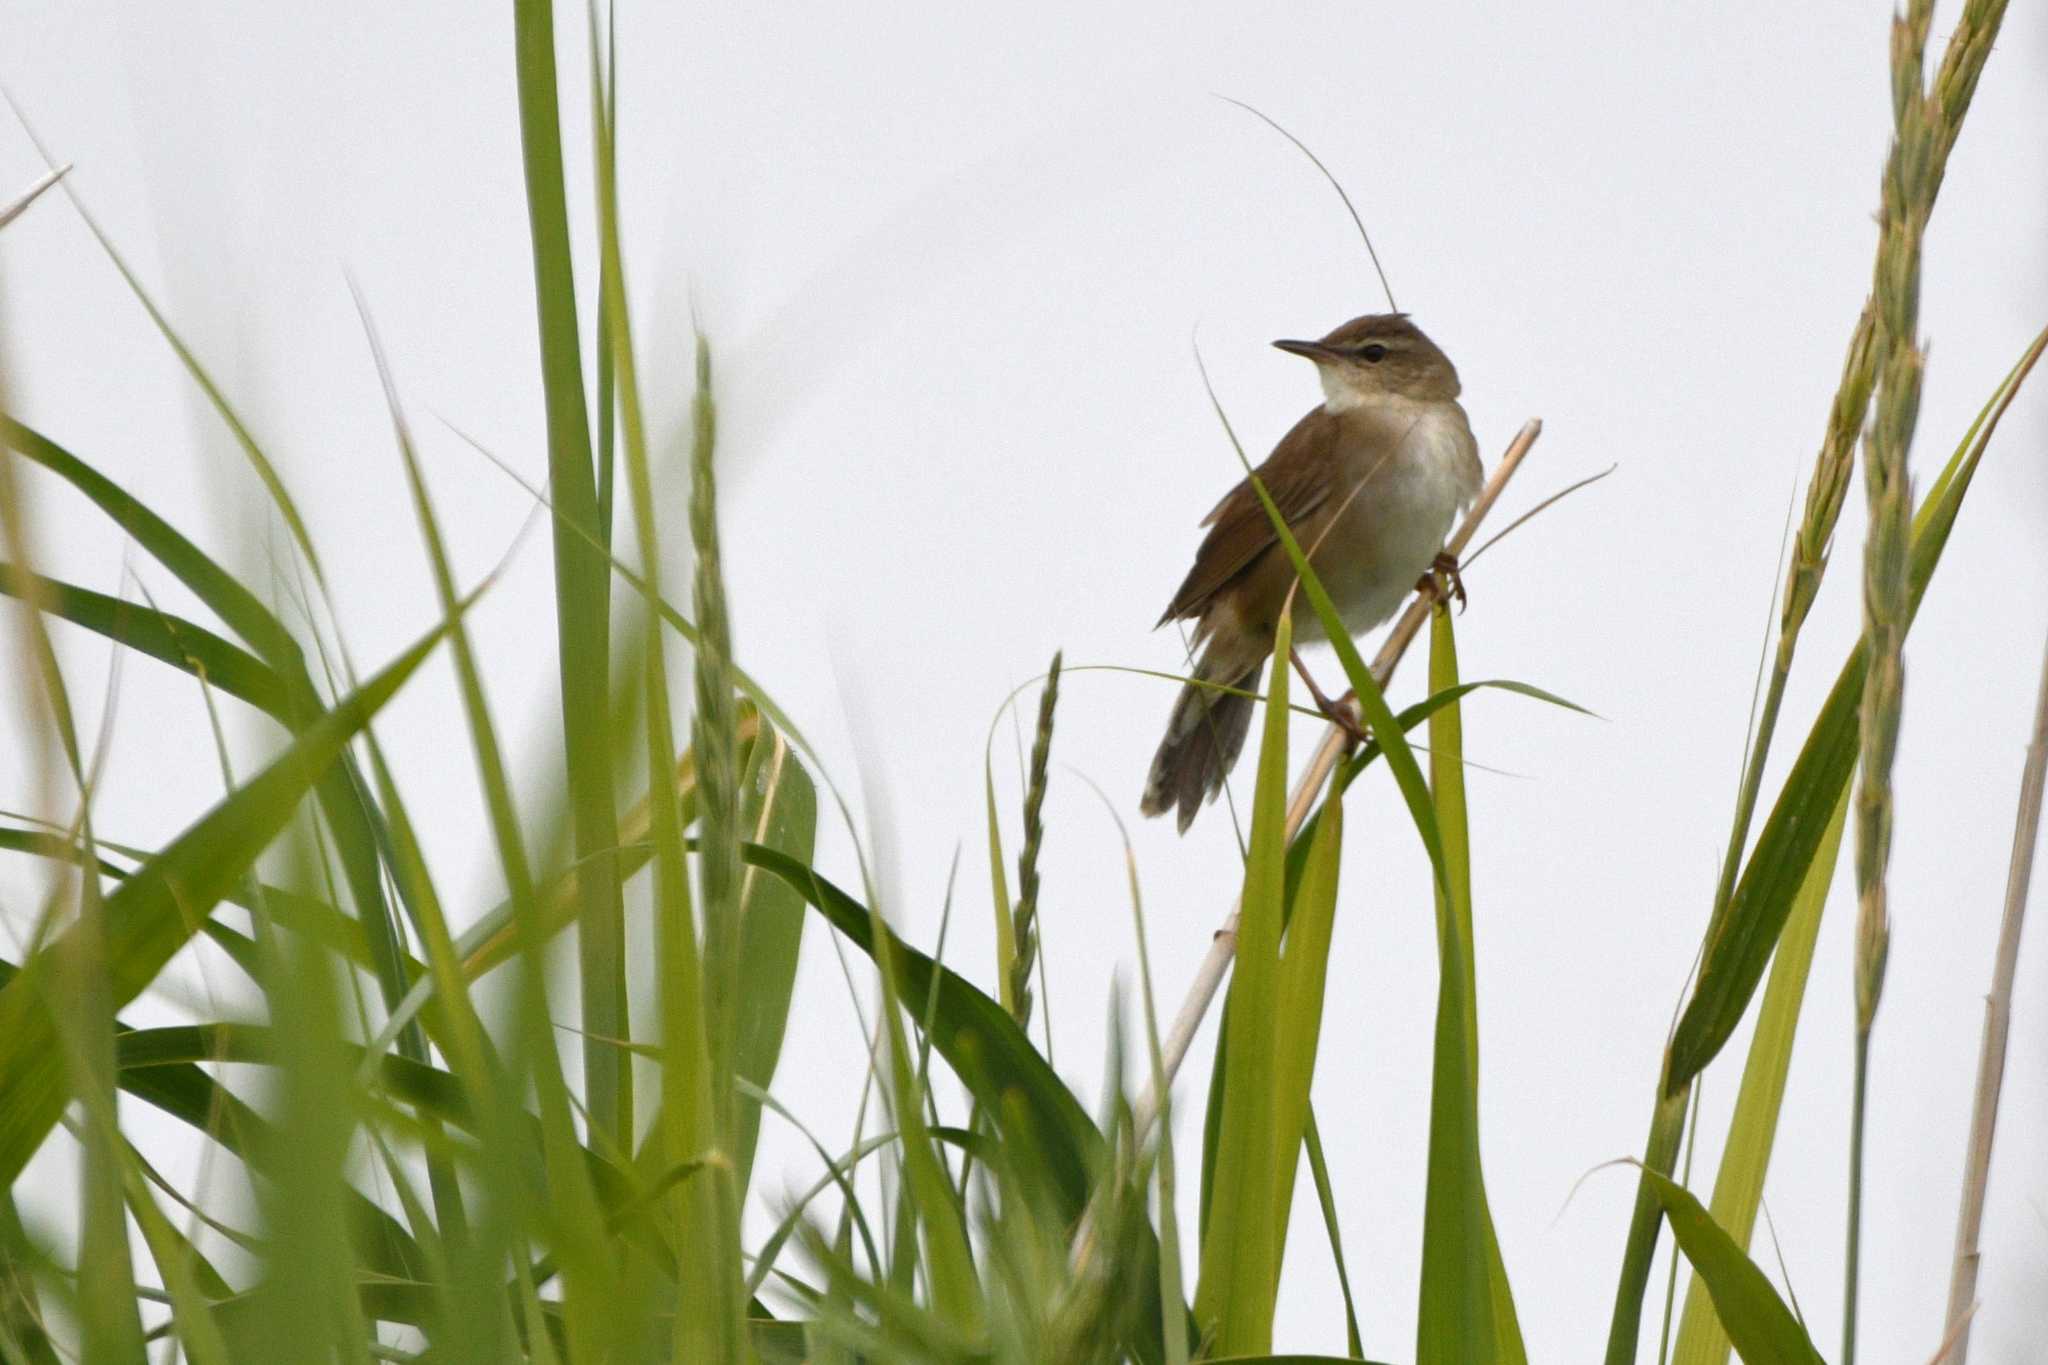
(1299, 475)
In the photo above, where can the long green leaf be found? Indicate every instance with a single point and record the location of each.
(1753, 1127)
(1304, 972)
(153, 913)
(1466, 1312)
(1241, 1240)
(582, 581)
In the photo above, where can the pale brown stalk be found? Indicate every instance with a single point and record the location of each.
(1962, 1287)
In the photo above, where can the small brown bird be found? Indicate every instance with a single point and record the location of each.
(1369, 483)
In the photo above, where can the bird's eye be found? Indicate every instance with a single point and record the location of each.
(1372, 354)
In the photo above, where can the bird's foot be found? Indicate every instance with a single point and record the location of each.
(1442, 583)
(1337, 713)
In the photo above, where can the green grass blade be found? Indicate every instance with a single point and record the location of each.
(1304, 971)
(700, 989)
(183, 1272)
(343, 795)
(974, 1034)
(184, 1091)
(108, 1326)
(1753, 1127)
(22, 1314)
(582, 581)
(310, 1306)
(266, 472)
(779, 810)
(1761, 1326)
(180, 643)
(586, 1266)
(222, 593)
(998, 875)
(1326, 1198)
(1466, 1311)
(1241, 1242)
(1173, 1320)
(150, 915)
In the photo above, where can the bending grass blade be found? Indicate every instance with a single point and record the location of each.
(343, 794)
(150, 916)
(975, 1035)
(258, 461)
(223, 594)
(183, 644)
(1761, 1326)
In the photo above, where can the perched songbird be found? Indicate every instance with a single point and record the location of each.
(1369, 483)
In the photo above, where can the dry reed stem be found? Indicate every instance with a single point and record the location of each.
(1962, 1290)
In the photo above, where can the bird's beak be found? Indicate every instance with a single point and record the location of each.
(1314, 350)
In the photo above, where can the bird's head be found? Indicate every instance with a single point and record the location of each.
(1377, 356)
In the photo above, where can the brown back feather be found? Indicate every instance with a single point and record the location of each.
(1298, 477)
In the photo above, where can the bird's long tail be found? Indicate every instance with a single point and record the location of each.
(1203, 739)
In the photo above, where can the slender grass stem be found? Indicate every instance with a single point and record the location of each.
(1851, 1265)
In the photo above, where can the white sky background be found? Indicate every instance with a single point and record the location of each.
(951, 259)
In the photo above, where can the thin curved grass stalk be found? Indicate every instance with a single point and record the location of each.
(1024, 919)
(1335, 184)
